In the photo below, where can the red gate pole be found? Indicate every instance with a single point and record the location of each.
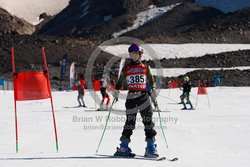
(14, 75)
(50, 94)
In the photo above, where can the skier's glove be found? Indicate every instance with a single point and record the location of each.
(153, 95)
(116, 94)
(45, 72)
(15, 74)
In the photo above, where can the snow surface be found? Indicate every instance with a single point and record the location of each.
(145, 17)
(216, 136)
(159, 51)
(225, 5)
(30, 10)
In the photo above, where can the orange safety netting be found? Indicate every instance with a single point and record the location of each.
(31, 86)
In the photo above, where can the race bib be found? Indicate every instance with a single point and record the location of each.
(136, 79)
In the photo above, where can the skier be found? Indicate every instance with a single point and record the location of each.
(217, 80)
(186, 87)
(104, 86)
(80, 84)
(136, 74)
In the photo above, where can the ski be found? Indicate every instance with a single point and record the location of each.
(97, 110)
(162, 110)
(139, 157)
(73, 107)
(151, 159)
(188, 109)
(101, 109)
(157, 159)
(174, 103)
(131, 155)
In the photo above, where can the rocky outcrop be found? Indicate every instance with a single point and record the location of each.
(12, 24)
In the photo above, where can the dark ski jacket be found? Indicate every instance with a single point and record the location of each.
(186, 87)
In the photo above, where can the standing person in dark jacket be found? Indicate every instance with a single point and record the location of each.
(105, 95)
(136, 74)
(80, 84)
(186, 86)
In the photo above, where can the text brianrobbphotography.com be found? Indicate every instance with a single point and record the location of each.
(114, 119)
(116, 127)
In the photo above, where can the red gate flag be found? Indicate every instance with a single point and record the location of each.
(96, 85)
(202, 90)
(31, 86)
(173, 84)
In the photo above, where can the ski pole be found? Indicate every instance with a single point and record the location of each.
(110, 109)
(164, 136)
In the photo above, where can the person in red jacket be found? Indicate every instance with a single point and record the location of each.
(136, 74)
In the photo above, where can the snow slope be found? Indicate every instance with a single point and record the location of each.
(175, 50)
(225, 5)
(30, 10)
(216, 136)
(145, 17)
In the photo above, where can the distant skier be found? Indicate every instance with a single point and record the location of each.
(186, 87)
(104, 86)
(217, 80)
(136, 74)
(80, 84)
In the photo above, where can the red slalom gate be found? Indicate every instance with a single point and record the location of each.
(202, 90)
(33, 85)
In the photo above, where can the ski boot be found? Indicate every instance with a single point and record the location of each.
(151, 151)
(102, 108)
(107, 107)
(191, 106)
(124, 150)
